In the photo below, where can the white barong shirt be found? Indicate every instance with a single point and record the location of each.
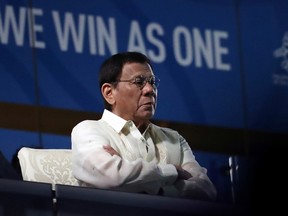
(146, 160)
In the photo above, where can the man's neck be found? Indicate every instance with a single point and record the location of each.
(142, 126)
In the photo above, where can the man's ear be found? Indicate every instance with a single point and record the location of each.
(107, 92)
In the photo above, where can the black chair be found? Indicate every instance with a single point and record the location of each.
(84, 201)
(25, 198)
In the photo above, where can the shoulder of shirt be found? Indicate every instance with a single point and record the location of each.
(88, 123)
(163, 129)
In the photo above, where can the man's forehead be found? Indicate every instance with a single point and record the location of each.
(137, 69)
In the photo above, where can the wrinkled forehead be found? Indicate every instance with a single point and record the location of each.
(137, 69)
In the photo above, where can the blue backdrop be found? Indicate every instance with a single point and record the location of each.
(220, 63)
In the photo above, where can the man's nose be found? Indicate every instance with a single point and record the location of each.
(149, 89)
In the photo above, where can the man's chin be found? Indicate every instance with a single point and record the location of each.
(148, 114)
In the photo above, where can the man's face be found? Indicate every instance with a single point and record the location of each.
(132, 101)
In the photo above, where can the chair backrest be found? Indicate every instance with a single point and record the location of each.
(47, 165)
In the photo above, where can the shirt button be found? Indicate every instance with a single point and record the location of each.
(142, 139)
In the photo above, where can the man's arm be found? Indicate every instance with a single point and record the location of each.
(96, 164)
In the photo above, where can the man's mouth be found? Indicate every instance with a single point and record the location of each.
(148, 104)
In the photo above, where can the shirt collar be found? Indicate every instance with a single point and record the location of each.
(116, 122)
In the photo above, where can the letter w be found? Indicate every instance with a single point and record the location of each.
(69, 26)
(10, 20)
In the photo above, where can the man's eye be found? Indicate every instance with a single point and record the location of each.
(152, 81)
(139, 80)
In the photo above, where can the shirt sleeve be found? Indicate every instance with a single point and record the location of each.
(93, 166)
(199, 186)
